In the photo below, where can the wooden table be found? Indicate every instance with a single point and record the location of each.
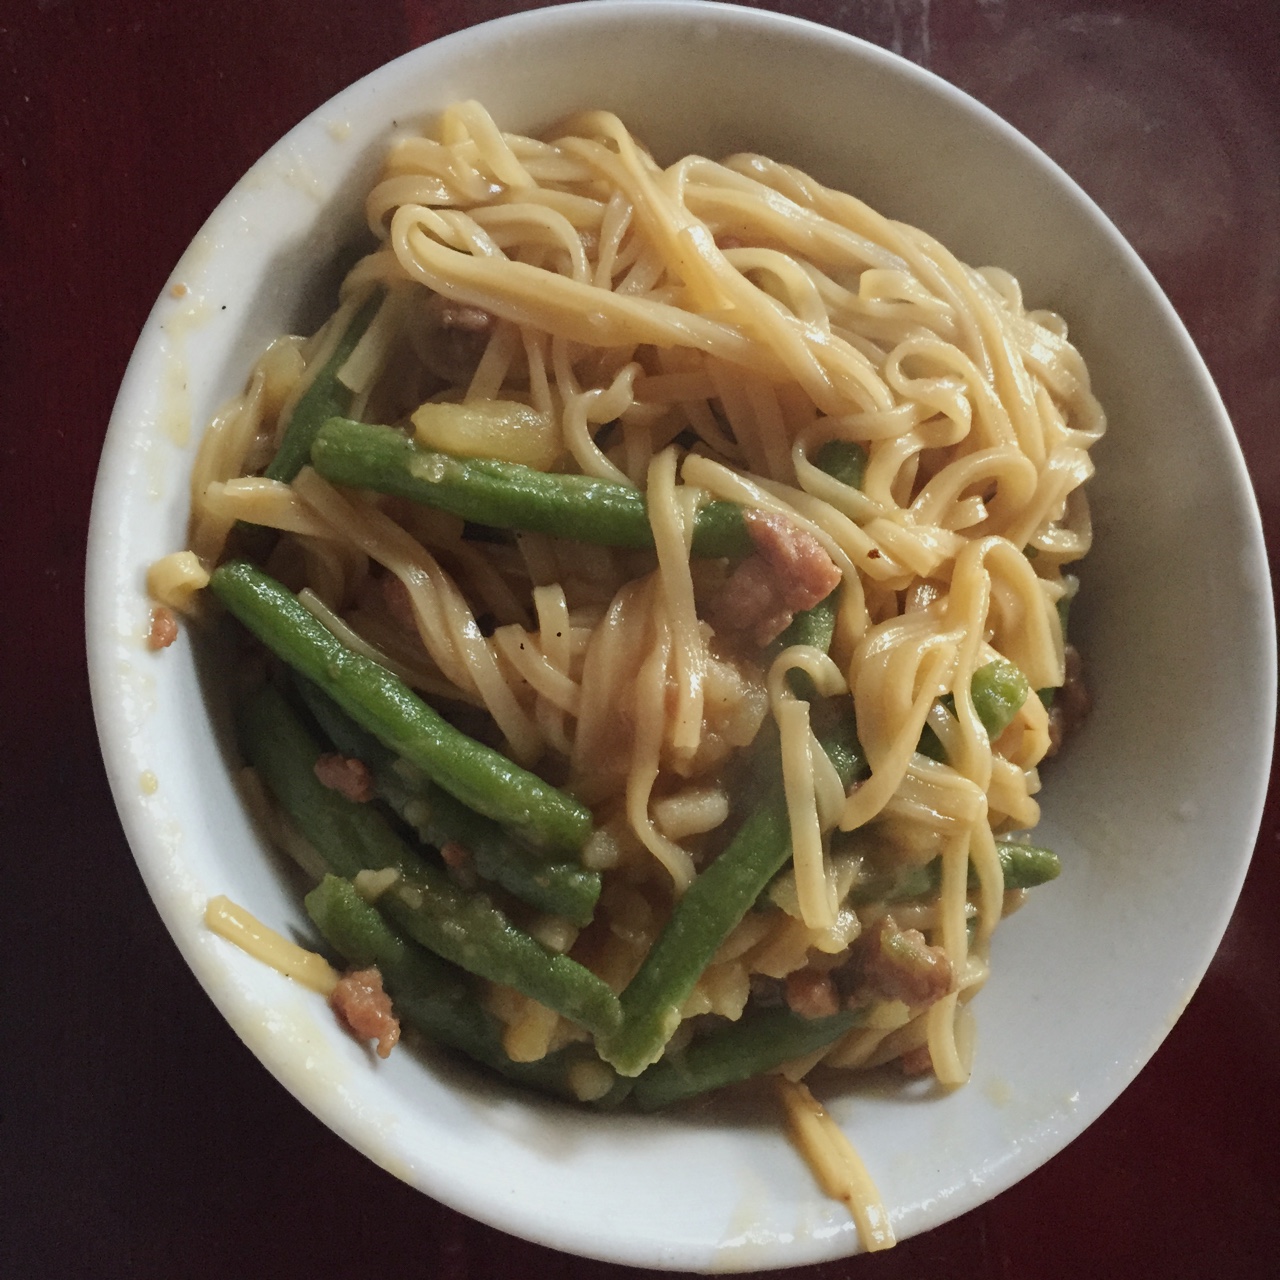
(138, 1136)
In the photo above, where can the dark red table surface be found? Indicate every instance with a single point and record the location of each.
(138, 1137)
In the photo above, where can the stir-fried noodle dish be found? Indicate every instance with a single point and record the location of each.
(650, 613)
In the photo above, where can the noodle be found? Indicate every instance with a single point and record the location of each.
(904, 446)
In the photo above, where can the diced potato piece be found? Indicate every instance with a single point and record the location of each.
(501, 429)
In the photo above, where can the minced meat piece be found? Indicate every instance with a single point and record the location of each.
(346, 775)
(812, 994)
(898, 964)
(164, 628)
(365, 1007)
(788, 572)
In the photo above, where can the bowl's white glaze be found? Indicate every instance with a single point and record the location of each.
(1155, 808)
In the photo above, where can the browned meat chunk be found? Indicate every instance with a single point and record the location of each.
(452, 338)
(164, 628)
(916, 1062)
(457, 315)
(788, 572)
(812, 994)
(898, 964)
(1071, 704)
(346, 775)
(365, 1007)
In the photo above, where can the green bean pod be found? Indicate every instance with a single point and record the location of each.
(1024, 866)
(846, 460)
(507, 495)
(558, 887)
(998, 690)
(325, 397)
(435, 997)
(710, 908)
(481, 778)
(755, 1044)
(423, 902)
(815, 627)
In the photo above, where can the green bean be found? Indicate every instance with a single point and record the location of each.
(710, 908)
(846, 460)
(1024, 866)
(481, 778)
(348, 837)
(998, 690)
(755, 1044)
(561, 888)
(423, 901)
(814, 627)
(435, 997)
(506, 495)
(324, 398)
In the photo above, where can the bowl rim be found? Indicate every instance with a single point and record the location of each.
(104, 573)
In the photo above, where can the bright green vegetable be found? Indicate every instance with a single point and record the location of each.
(482, 779)
(324, 398)
(506, 495)
(561, 888)
(998, 691)
(1024, 866)
(710, 908)
(846, 460)
(435, 997)
(757, 1043)
(424, 902)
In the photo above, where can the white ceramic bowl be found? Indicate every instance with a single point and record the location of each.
(1154, 809)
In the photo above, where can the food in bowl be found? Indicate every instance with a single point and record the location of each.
(657, 588)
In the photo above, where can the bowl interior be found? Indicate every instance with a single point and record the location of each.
(1174, 621)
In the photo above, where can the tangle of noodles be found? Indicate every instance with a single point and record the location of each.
(703, 331)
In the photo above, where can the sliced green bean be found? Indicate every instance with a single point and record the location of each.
(1024, 866)
(481, 778)
(815, 627)
(464, 928)
(710, 908)
(506, 495)
(998, 690)
(561, 888)
(757, 1043)
(324, 398)
(437, 998)
(846, 460)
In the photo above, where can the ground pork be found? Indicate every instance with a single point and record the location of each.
(898, 964)
(788, 572)
(365, 1007)
(346, 775)
(164, 628)
(812, 994)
